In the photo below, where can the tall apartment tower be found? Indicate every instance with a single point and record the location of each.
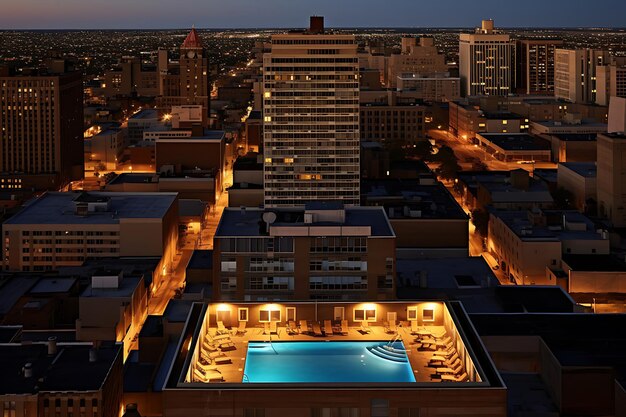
(311, 118)
(535, 65)
(575, 73)
(41, 129)
(485, 62)
(611, 81)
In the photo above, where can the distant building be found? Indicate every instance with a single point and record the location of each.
(311, 119)
(535, 65)
(575, 74)
(429, 88)
(517, 147)
(422, 58)
(131, 77)
(41, 139)
(247, 188)
(104, 149)
(486, 62)
(325, 251)
(394, 124)
(141, 121)
(466, 120)
(611, 81)
(204, 186)
(66, 229)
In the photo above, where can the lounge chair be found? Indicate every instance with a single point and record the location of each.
(365, 327)
(266, 328)
(226, 346)
(241, 329)
(304, 327)
(220, 337)
(221, 329)
(328, 328)
(291, 327)
(439, 334)
(209, 346)
(393, 327)
(344, 327)
(206, 367)
(273, 327)
(317, 331)
(452, 378)
(209, 376)
(414, 327)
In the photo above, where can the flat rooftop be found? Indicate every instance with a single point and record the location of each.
(145, 114)
(59, 208)
(576, 137)
(249, 221)
(126, 288)
(68, 370)
(584, 169)
(516, 141)
(554, 229)
(595, 263)
(405, 198)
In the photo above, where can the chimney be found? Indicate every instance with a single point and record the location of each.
(487, 26)
(28, 370)
(316, 25)
(93, 355)
(52, 346)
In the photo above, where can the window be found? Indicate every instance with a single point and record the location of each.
(242, 313)
(411, 313)
(428, 314)
(365, 314)
(269, 315)
(291, 313)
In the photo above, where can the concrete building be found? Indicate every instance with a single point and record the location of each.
(525, 244)
(325, 251)
(611, 81)
(519, 147)
(429, 88)
(141, 121)
(202, 186)
(393, 124)
(580, 178)
(66, 229)
(188, 390)
(62, 379)
(612, 177)
(575, 74)
(535, 65)
(466, 120)
(41, 115)
(254, 131)
(486, 62)
(247, 188)
(311, 119)
(427, 221)
(131, 77)
(421, 58)
(103, 150)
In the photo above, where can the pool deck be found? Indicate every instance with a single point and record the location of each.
(233, 372)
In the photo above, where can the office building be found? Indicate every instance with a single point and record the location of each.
(575, 74)
(486, 62)
(580, 179)
(467, 120)
(421, 58)
(311, 118)
(611, 81)
(429, 88)
(393, 124)
(41, 129)
(131, 77)
(612, 177)
(535, 65)
(66, 229)
(324, 251)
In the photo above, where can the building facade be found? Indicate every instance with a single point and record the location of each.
(575, 74)
(41, 129)
(486, 61)
(535, 65)
(611, 178)
(311, 119)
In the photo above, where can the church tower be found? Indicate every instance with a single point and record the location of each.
(195, 87)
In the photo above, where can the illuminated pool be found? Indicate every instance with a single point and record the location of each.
(307, 362)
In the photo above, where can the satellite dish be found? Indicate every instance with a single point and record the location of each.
(269, 217)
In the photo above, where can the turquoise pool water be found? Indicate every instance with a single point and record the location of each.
(306, 362)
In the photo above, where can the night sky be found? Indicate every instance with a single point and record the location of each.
(145, 14)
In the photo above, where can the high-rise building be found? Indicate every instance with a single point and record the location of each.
(41, 129)
(575, 73)
(485, 61)
(311, 118)
(187, 82)
(611, 81)
(535, 65)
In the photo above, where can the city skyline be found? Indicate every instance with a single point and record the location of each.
(159, 14)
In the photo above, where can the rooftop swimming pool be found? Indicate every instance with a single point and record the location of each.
(327, 362)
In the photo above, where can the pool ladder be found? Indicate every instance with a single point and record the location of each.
(245, 378)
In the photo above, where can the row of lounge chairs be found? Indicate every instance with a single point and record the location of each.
(448, 365)
(211, 355)
(316, 328)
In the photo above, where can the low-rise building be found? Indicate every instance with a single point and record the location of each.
(426, 219)
(103, 150)
(247, 189)
(140, 121)
(526, 243)
(518, 147)
(467, 119)
(66, 229)
(324, 251)
(393, 124)
(580, 178)
(201, 186)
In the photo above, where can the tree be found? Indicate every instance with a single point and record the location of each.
(422, 150)
(564, 199)
(449, 165)
(480, 219)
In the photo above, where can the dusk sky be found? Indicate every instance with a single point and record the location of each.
(128, 14)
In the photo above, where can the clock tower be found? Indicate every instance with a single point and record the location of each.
(195, 87)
